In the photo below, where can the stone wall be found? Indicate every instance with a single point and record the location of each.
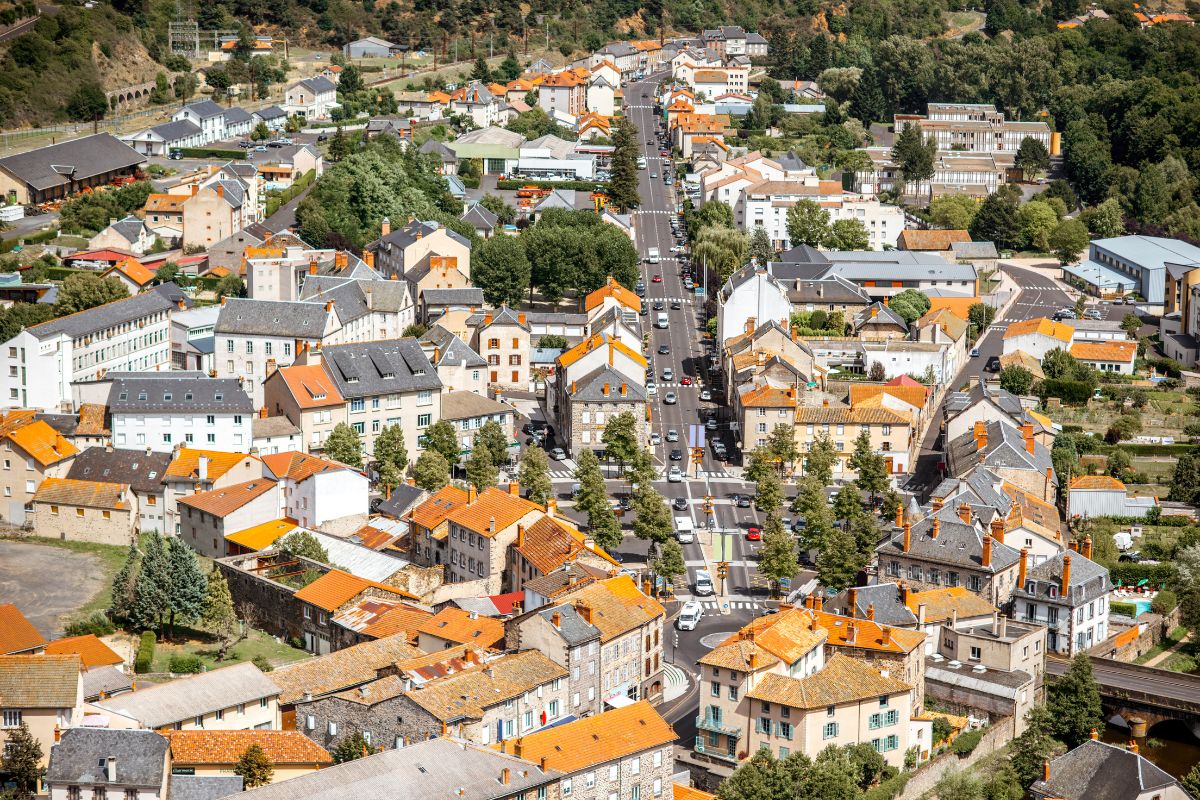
(998, 735)
(1153, 629)
(277, 610)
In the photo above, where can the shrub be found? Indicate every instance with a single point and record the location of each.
(1129, 573)
(212, 152)
(579, 186)
(262, 663)
(889, 788)
(965, 743)
(1124, 609)
(98, 624)
(145, 653)
(1164, 602)
(185, 663)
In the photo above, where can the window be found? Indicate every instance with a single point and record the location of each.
(635, 766)
(891, 718)
(733, 692)
(976, 653)
(875, 721)
(73, 793)
(565, 786)
(716, 687)
(830, 730)
(785, 730)
(358, 404)
(589, 780)
(229, 346)
(613, 772)
(249, 348)
(635, 792)
(424, 420)
(12, 718)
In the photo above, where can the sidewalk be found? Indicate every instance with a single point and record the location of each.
(1170, 651)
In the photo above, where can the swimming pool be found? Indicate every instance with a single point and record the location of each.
(1142, 606)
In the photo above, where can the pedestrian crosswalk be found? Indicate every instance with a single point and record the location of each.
(714, 605)
(566, 474)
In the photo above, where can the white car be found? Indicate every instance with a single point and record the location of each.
(670, 398)
(558, 454)
(651, 389)
(689, 616)
(704, 583)
(655, 439)
(675, 475)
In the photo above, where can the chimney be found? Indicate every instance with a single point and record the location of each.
(369, 258)
(808, 601)
(514, 488)
(997, 527)
(921, 614)
(1073, 546)
(202, 468)
(312, 267)
(542, 764)
(1087, 547)
(556, 619)
(874, 312)
(584, 611)
(521, 318)
(953, 618)
(1066, 575)
(1021, 567)
(1046, 771)
(572, 388)
(420, 233)
(981, 436)
(182, 304)
(1003, 626)
(328, 306)
(110, 767)
(795, 334)
(752, 660)
(885, 635)
(385, 227)
(907, 536)
(937, 528)
(905, 594)
(220, 190)
(819, 603)
(551, 506)
(505, 776)
(964, 513)
(899, 515)
(1049, 481)
(520, 542)
(487, 319)
(850, 632)
(995, 623)
(987, 551)
(937, 504)
(491, 524)
(1095, 735)
(871, 612)
(195, 188)
(471, 493)
(852, 602)
(750, 325)
(1027, 435)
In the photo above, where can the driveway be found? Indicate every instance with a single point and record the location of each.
(28, 579)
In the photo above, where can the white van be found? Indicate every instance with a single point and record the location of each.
(704, 583)
(685, 530)
(661, 320)
(652, 256)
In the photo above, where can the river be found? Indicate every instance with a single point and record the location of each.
(1178, 749)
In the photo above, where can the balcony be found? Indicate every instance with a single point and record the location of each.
(704, 748)
(706, 722)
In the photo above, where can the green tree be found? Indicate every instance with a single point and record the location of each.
(721, 249)
(781, 444)
(339, 145)
(768, 492)
(1058, 363)
(807, 223)
(872, 470)
(390, 448)
(953, 211)
(1151, 198)
(670, 564)
(1074, 703)
(847, 503)
(254, 767)
(481, 467)
(1105, 220)
(605, 528)
(552, 341)
(505, 214)
(187, 584)
(996, 221)
(218, 617)
(431, 470)
(1037, 220)
(231, 286)
(957, 785)
(642, 471)
(440, 437)
(481, 72)
(652, 520)
(848, 234)
(1016, 379)
(1035, 744)
(500, 268)
(390, 476)
(261, 132)
(910, 304)
(839, 561)
(534, 475)
(344, 446)
(21, 759)
(1068, 239)
(777, 558)
(1033, 159)
(493, 437)
(1191, 781)
(88, 103)
(820, 459)
(83, 290)
(124, 584)
(350, 81)
(1187, 584)
(351, 748)
(981, 315)
(151, 592)
(760, 247)
(914, 155)
(620, 438)
(591, 496)
(304, 545)
(167, 273)
(623, 181)
(1131, 323)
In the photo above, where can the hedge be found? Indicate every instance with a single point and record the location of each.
(966, 742)
(1162, 522)
(1130, 573)
(888, 789)
(579, 186)
(1172, 450)
(211, 152)
(62, 273)
(277, 199)
(1124, 609)
(8, 245)
(145, 653)
(185, 663)
(1068, 391)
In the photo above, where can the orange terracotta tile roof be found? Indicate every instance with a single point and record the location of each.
(186, 463)
(562, 80)
(493, 511)
(913, 395)
(843, 414)
(133, 269)
(311, 386)
(224, 748)
(1030, 510)
(767, 396)
(959, 306)
(42, 443)
(616, 291)
(596, 342)
(91, 494)
(1097, 482)
(942, 604)
(786, 636)
(220, 502)
(549, 543)
(438, 506)
(867, 635)
(17, 633)
(1120, 352)
(91, 420)
(91, 651)
(617, 605)
(710, 76)
(595, 740)
(682, 792)
(950, 323)
(260, 537)
(163, 203)
(438, 97)
(914, 239)
(400, 619)
(335, 588)
(1042, 326)
(841, 680)
(296, 466)
(458, 626)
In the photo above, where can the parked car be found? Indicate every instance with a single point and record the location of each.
(993, 364)
(655, 439)
(705, 394)
(558, 454)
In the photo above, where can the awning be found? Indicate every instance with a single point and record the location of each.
(619, 701)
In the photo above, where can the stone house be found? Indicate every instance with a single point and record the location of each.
(547, 545)
(85, 511)
(230, 698)
(191, 470)
(30, 451)
(566, 635)
(207, 518)
(480, 533)
(43, 691)
(1012, 453)
(429, 525)
(456, 626)
(333, 592)
(502, 337)
(141, 469)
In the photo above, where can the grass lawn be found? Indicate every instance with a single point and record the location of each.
(111, 559)
(1171, 640)
(197, 643)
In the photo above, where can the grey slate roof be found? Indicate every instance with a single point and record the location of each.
(204, 787)
(480, 218)
(1005, 449)
(76, 758)
(403, 498)
(1089, 580)
(107, 679)
(318, 85)
(205, 109)
(451, 349)
(236, 114)
(168, 703)
(270, 112)
(267, 427)
(441, 768)
(467, 296)
(590, 387)
(440, 149)
(105, 316)
(173, 131)
(994, 682)
(885, 597)
(164, 393)
(141, 470)
(80, 159)
(957, 544)
(884, 315)
(1100, 771)
(466, 405)
(831, 289)
(571, 627)
(379, 367)
(501, 316)
(349, 301)
(974, 250)
(271, 318)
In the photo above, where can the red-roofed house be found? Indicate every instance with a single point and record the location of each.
(307, 396)
(319, 493)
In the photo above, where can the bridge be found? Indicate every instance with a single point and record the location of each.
(1130, 690)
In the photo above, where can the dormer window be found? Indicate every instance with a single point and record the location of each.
(123, 396)
(187, 396)
(167, 397)
(141, 395)
(219, 396)
(1054, 591)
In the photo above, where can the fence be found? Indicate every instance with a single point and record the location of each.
(924, 779)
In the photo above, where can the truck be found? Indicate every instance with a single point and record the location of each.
(685, 530)
(652, 256)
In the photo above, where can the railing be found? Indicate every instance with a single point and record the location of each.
(703, 748)
(708, 723)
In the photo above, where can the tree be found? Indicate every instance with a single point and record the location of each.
(1016, 379)
(390, 476)
(123, 585)
(981, 315)
(777, 558)
(217, 617)
(1105, 220)
(501, 269)
(552, 341)
(591, 496)
(534, 475)
(254, 767)
(84, 290)
(167, 273)
(620, 438)
(390, 448)
(953, 211)
(1035, 744)
(957, 785)
(261, 132)
(1068, 239)
(414, 330)
(839, 561)
(1187, 584)
(231, 286)
(1131, 323)
(1037, 220)
(820, 459)
(344, 446)
(642, 471)
(21, 759)
(481, 467)
(848, 234)
(996, 221)
(1074, 703)
(219, 81)
(872, 470)
(431, 470)
(781, 444)
(492, 436)
(1151, 198)
(877, 372)
(623, 181)
(915, 156)
(910, 304)
(670, 564)
(1033, 159)
(1191, 781)
(151, 590)
(807, 223)
(88, 103)
(652, 520)
(187, 584)
(505, 214)
(352, 748)
(847, 503)
(760, 248)
(339, 145)
(719, 248)
(440, 437)
(303, 544)
(605, 528)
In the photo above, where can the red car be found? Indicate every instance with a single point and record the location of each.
(656, 279)
(664, 153)
(685, 381)
(753, 535)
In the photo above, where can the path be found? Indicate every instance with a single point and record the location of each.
(1165, 654)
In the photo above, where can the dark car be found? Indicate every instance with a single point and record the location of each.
(679, 504)
(664, 350)
(993, 364)
(677, 454)
(742, 500)
(659, 306)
